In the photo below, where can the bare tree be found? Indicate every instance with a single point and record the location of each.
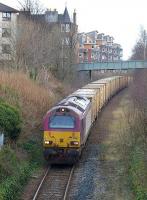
(140, 50)
(33, 44)
(65, 53)
(36, 43)
(34, 6)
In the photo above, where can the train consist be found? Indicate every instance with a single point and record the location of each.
(67, 124)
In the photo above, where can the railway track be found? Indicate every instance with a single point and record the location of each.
(55, 183)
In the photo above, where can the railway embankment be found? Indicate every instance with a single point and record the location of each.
(21, 96)
(125, 149)
(112, 166)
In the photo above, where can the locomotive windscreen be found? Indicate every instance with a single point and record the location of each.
(62, 121)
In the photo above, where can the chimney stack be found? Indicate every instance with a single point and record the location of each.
(74, 17)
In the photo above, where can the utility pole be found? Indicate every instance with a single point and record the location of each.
(144, 53)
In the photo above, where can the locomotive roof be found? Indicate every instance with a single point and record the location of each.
(77, 111)
(76, 103)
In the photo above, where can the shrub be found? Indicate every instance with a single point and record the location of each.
(14, 174)
(10, 121)
(11, 187)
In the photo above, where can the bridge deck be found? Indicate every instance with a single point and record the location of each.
(117, 65)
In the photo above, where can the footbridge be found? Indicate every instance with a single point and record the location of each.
(116, 65)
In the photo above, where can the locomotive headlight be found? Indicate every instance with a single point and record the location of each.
(48, 142)
(74, 143)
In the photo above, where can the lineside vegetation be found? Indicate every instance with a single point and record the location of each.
(23, 103)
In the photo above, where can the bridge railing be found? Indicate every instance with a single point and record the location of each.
(116, 65)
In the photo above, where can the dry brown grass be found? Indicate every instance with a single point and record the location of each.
(32, 99)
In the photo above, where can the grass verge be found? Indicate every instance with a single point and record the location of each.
(138, 174)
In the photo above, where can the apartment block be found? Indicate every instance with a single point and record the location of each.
(8, 27)
(11, 21)
(98, 47)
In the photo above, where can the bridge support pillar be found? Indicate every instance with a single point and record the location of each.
(90, 74)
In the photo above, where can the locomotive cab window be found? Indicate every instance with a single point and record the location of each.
(62, 121)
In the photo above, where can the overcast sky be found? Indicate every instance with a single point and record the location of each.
(120, 18)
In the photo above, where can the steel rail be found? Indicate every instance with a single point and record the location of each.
(68, 183)
(40, 185)
(43, 180)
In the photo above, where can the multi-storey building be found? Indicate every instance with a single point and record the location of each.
(63, 21)
(8, 24)
(62, 31)
(11, 20)
(67, 25)
(98, 47)
(88, 49)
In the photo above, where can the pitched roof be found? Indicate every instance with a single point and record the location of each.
(66, 16)
(4, 8)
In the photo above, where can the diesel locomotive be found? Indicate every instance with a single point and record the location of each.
(67, 124)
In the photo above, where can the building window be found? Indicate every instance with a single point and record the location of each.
(67, 28)
(80, 55)
(6, 48)
(6, 16)
(66, 41)
(62, 27)
(6, 32)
